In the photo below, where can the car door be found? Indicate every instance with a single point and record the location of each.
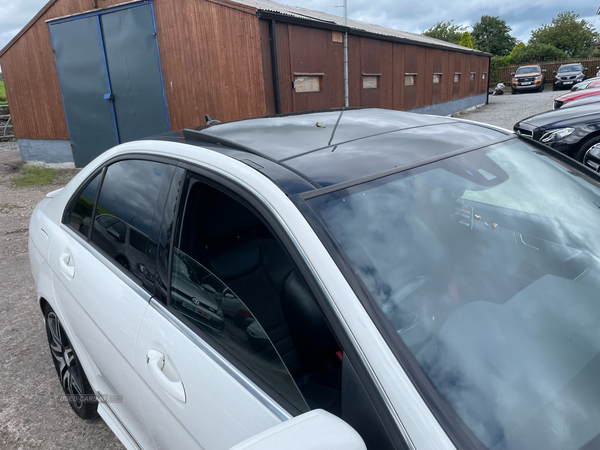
(102, 297)
(209, 375)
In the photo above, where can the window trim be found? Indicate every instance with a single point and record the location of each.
(87, 239)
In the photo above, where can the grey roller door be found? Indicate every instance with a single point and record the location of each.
(83, 83)
(134, 72)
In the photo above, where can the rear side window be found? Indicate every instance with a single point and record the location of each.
(126, 222)
(79, 218)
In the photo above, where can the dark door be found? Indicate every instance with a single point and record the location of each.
(110, 78)
(134, 72)
(83, 83)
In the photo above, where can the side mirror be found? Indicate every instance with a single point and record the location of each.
(585, 70)
(314, 430)
(543, 70)
(554, 72)
(512, 74)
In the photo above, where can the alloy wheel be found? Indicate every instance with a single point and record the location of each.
(64, 360)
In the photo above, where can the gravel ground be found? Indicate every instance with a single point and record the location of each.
(506, 110)
(30, 416)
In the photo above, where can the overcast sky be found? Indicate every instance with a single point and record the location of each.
(413, 16)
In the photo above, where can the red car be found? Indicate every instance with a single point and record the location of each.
(569, 97)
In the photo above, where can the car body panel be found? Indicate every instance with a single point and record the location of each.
(219, 412)
(104, 318)
(575, 95)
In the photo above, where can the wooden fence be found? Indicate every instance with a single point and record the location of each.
(6, 128)
(504, 73)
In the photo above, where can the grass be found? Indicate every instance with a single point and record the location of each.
(2, 93)
(35, 176)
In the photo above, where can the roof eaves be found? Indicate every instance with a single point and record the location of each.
(29, 24)
(379, 34)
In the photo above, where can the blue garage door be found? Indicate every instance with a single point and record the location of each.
(109, 72)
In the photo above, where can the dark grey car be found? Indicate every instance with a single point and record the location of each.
(567, 75)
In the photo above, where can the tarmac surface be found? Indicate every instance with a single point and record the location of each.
(30, 415)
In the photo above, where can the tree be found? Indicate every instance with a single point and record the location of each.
(574, 37)
(492, 35)
(520, 46)
(538, 53)
(465, 40)
(446, 31)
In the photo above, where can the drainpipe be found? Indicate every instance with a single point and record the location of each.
(346, 103)
(275, 66)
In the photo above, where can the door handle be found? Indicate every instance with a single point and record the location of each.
(156, 364)
(66, 263)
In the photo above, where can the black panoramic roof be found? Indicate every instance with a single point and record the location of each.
(302, 152)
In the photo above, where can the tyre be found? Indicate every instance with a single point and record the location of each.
(541, 88)
(513, 91)
(554, 87)
(585, 147)
(68, 368)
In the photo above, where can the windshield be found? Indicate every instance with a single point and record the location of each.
(486, 266)
(571, 68)
(522, 70)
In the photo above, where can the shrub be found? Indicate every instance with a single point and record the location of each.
(466, 40)
(538, 53)
(498, 62)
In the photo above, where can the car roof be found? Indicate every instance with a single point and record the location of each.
(308, 151)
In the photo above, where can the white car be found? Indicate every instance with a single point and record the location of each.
(334, 280)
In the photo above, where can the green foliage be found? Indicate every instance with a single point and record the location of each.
(2, 93)
(466, 40)
(498, 62)
(35, 175)
(574, 37)
(538, 53)
(492, 35)
(446, 31)
(520, 46)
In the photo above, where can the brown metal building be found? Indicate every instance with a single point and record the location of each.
(151, 66)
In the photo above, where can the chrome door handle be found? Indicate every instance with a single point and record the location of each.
(156, 363)
(66, 263)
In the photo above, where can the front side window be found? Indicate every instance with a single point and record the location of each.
(234, 283)
(125, 226)
(485, 272)
(80, 216)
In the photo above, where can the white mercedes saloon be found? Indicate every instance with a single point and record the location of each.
(350, 279)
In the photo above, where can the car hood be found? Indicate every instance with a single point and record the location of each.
(560, 116)
(569, 74)
(523, 75)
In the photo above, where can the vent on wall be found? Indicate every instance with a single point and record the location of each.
(371, 80)
(410, 79)
(308, 82)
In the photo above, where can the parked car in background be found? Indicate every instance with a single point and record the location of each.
(585, 84)
(409, 282)
(567, 75)
(528, 78)
(575, 95)
(582, 101)
(572, 131)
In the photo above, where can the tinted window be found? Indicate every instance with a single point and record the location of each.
(227, 278)
(486, 268)
(81, 214)
(125, 227)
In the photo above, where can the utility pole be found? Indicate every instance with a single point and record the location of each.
(346, 103)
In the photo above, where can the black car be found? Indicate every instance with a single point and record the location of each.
(568, 75)
(571, 131)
